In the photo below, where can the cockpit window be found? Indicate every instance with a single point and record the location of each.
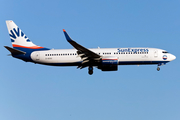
(164, 52)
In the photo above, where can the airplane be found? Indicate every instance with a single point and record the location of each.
(105, 59)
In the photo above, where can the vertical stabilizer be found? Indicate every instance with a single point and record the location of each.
(18, 38)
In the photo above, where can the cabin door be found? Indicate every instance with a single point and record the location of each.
(156, 53)
(37, 56)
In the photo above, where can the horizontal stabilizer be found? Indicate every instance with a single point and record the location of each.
(14, 51)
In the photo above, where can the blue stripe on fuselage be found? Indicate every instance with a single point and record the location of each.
(141, 62)
(27, 56)
(120, 63)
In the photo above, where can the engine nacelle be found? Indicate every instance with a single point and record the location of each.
(109, 64)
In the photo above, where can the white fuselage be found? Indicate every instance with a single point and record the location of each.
(126, 56)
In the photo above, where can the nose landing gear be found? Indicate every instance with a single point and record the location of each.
(90, 70)
(160, 64)
(158, 68)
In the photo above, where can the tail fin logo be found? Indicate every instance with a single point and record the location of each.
(18, 38)
(17, 33)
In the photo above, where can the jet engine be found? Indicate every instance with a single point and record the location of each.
(109, 64)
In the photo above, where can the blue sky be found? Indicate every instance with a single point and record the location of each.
(31, 91)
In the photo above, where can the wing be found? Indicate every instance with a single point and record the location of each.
(86, 55)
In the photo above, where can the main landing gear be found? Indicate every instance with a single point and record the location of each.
(90, 70)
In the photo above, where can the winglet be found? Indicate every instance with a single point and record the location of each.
(67, 36)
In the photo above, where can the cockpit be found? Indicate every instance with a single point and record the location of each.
(164, 52)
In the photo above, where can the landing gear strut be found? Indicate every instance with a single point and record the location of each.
(158, 68)
(90, 70)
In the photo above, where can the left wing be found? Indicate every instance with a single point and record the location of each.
(86, 55)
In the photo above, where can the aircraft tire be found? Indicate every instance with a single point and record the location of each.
(158, 68)
(90, 70)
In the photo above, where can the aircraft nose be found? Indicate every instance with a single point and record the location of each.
(173, 57)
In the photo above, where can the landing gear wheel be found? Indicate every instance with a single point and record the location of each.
(158, 68)
(90, 70)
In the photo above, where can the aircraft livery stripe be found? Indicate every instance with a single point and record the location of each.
(31, 47)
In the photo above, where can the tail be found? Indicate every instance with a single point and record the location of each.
(19, 39)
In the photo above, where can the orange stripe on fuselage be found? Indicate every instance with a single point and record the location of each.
(32, 47)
